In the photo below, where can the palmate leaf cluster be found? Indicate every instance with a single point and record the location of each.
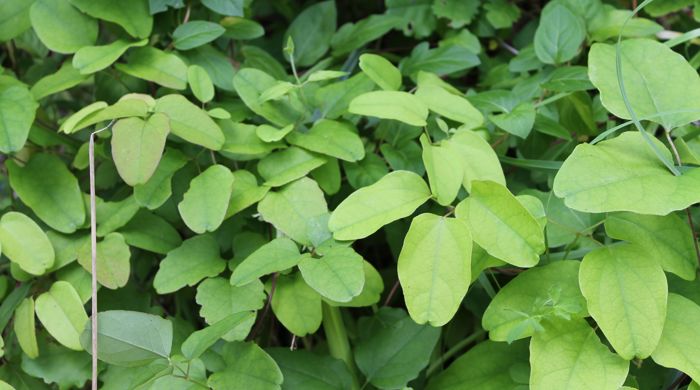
(434, 194)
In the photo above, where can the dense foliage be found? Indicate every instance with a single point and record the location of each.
(434, 194)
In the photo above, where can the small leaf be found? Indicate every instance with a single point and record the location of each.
(445, 178)
(296, 305)
(478, 159)
(61, 312)
(559, 34)
(247, 365)
(157, 190)
(91, 59)
(196, 33)
(333, 138)
(449, 105)
(25, 244)
(381, 71)
(177, 269)
(137, 147)
(311, 32)
(130, 338)
(396, 105)
(151, 64)
(219, 299)
(284, 166)
(17, 108)
(113, 256)
(189, 122)
(25, 329)
(308, 370)
(678, 347)
(246, 192)
(277, 255)
(198, 342)
(203, 206)
(65, 78)
(200, 83)
(337, 275)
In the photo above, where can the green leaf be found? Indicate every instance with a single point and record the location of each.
(250, 83)
(488, 366)
(678, 346)
(665, 238)
(14, 18)
(333, 138)
(546, 292)
(62, 27)
(65, 78)
(25, 329)
(156, 191)
(442, 60)
(155, 65)
(626, 292)
(298, 210)
(25, 244)
(478, 159)
(17, 108)
(225, 7)
(190, 123)
(132, 15)
(61, 312)
(351, 36)
(569, 79)
(624, 174)
(91, 59)
(203, 206)
(501, 225)
(130, 338)
(177, 269)
(129, 105)
(284, 166)
(323, 75)
(311, 32)
(450, 106)
(564, 224)
(445, 178)
(338, 275)
(381, 71)
(241, 29)
(559, 34)
(198, 342)
(609, 22)
(396, 105)
(196, 33)
(245, 193)
(518, 121)
(334, 99)
(670, 97)
(393, 349)
(200, 83)
(395, 196)
(296, 305)
(371, 291)
(567, 352)
(114, 215)
(219, 299)
(269, 133)
(113, 256)
(275, 256)
(138, 145)
(150, 232)
(247, 365)
(62, 367)
(434, 268)
(307, 370)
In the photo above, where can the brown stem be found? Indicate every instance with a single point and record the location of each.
(391, 293)
(261, 321)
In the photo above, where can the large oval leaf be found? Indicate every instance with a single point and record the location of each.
(435, 268)
(394, 196)
(149, 63)
(24, 243)
(137, 146)
(189, 122)
(559, 34)
(444, 176)
(277, 255)
(679, 347)
(204, 205)
(296, 305)
(337, 275)
(401, 106)
(61, 312)
(113, 267)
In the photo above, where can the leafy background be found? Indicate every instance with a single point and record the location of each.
(436, 194)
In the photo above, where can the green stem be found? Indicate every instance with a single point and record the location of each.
(337, 337)
(453, 351)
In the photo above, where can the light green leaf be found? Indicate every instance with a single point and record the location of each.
(381, 71)
(442, 60)
(311, 32)
(678, 347)
(130, 338)
(333, 138)
(609, 21)
(395, 196)
(624, 174)
(113, 267)
(25, 244)
(14, 18)
(66, 77)
(241, 29)
(276, 91)
(478, 159)
(246, 192)
(667, 239)
(322, 75)
(200, 83)
(138, 145)
(296, 305)
(25, 329)
(445, 178)
(334, 99)
(337, 275)
(565, 355)
(487, 366)
(203, 206)
(269, 133)
(518, 122)
(128, 105)
(626, 292)
(501, 225)
(62, 27)
(539, 293)
(674, 92)
(450, 106)
(91, 59)
(219, 299)
(61, 312)
(396, 105)
(113, 215)
(393, 349)
(242, 141)
(277, 255)
(299, 210)
(371, 291)
(151, 232)
(198, 342)
(196, 259)
(157, 190)
(190, 123)
(247, 365)
(250, 83)
(132, 15)
(151, 64)
(196, 33)
(559, 34)
(284, 166)
(435, 268)
(17, 108)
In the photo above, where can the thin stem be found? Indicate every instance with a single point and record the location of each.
(453, 351)
(337, 338)
(257, 328)
(389, 297)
